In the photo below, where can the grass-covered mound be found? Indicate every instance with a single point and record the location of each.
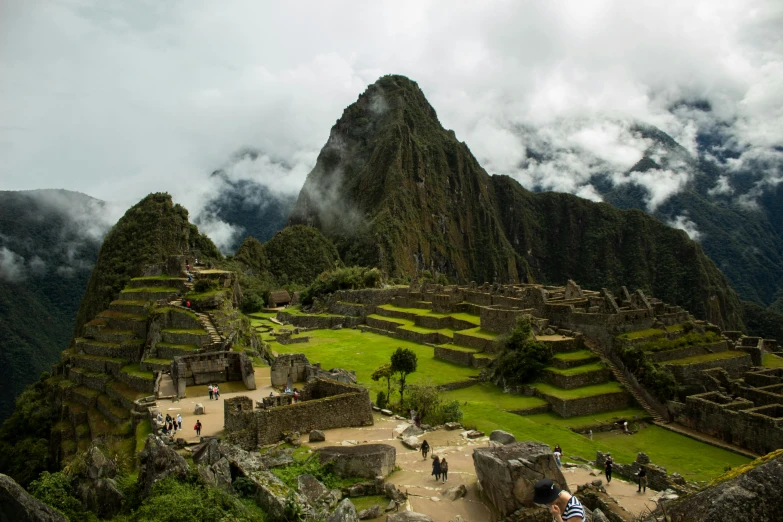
(298, 254)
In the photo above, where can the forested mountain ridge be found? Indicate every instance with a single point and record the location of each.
(45, 262)
(394, 189)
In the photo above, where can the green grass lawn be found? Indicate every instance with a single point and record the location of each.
(448, 332)
(641, 334)
(189, 347)
(484, 406)
(729, 354)
(577, 393)
(459, 348)
(492, 397)
(262, 315)
(772, 361)
(195, 331)
(470, 318)
(576, 370)
(364, 352)
(135, 369)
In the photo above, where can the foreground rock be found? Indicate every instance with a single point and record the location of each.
(366, 461)
(502, 437)
(316, 436)
(310, 487)
(345, 512)
(368, 514)
(17, 505)
(95, 485)
(411, 442)
(747, 494)
(455, 492)
(408, 516)
(508, 473)
(158, 462)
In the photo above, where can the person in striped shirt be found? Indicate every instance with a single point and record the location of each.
(563, 506)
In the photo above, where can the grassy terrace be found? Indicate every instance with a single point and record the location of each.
(704, 358)
(129, 302)
(429, 313)
(125, 391)
(188, 347)
(650, 332)
(158, 278)
(478, 332)
(195, 331)
(459, 348)
(203, 295)
(486, 407)
(579, 355)
(151, 289)
(135, 370)
(152, 360)
(364, 352)
(578, 393)
(122, 315)
(177, 310)
(772, 361)
(586, 368)
(100, 358)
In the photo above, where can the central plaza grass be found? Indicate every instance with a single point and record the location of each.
(484, 406)
(468, 318)
(364, 352)
(772, 361)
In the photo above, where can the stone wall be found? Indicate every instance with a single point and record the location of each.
(691, 373)
(763, 396)
(325, 405)
(759, 429)
(293, 365)
(460, 357)
(588, 405)
(499, 320)
(367, 461)
(688, 351)
(569, 382)
(472, 341)
(318, 321)
(212, 367)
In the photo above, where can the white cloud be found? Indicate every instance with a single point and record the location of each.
(11, 266)
(120, 99)
(684, 223)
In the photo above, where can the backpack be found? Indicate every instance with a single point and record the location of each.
(195, 426)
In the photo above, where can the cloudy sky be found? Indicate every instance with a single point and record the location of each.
(120, 98)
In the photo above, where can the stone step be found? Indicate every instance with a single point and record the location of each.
(158, 282)
(114, 413)
(182, 336)
(156, 365)
(108, 335)
(149, 293)
(566, 360)
(94, 380)
(122, 394)
(125, 321)
(84, 396)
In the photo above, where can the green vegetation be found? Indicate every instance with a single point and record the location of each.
(386, 373)
(574, 356)
(641, 334)
(657, 379)
(364, 352)
(403, 362)
(135, 370)
(522, 360)
(486, 407)
(772, 361)
(347, 278)
(298, 254)
(430, 405)
(478, 332)
(143, 429)
(577, 370)
(728, 354)
(582, 391)
(690, 339)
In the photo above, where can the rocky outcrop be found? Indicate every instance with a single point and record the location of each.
(747, 494)
(455, 492)
(316, 436)
(273, 496)
(207, 452)
(218, 475)
(345, 512)
(503, 437)
(17, 505)
(310, 487)
(411, 442)
(596, 499)
(95, 485)
(158, 462)
(508, 473)
(370, 513)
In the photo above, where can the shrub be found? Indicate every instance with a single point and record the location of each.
(347, 278)
(55, 490)
(522, 359)
(657, 379)
(428, 402)
(381, 400)
(403, 362)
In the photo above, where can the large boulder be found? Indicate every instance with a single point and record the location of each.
(366, 460)
(278, 458)
(97, 465)
(310, 487)
(411, 431)
(244, 461)
(372, 512)
(274, 496)
(316, 436)
(158, 462)
(508, 473)
(746, 494)
(101, 496)
(503, 437)
(345, 512)
(408, 516)
(17, 505)
(218, 475)
(207, 452)
(411, 442)
(454, 492)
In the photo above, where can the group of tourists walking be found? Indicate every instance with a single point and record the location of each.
(214, 392)
(170, 424)
(440, 468)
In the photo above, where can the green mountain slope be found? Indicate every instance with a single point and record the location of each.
(393, 188)
(45, 262)
(149, 232)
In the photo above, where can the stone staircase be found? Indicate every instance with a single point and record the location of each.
(619, 375)
(216, 341)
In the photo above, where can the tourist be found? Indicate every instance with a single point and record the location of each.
(425, 448)
(413, 415)
(187, 303)
(436, 467)
(179, 420)
(591, 434)
(562, 505)
(558, 448)
(217, 392)
(558, 453)
(608, 467)
(417, 420)
(187, 267)
(444, 469)
(197, 427)
(271, 394)
(160, 418)
(625, 426)
(211, 392)
(642, 480)
(296, 396)
(190, 277)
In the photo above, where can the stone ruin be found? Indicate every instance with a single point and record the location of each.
(288, 369)
(324, 404)
(213, 367)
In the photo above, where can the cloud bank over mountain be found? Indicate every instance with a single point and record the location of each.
(119, 99)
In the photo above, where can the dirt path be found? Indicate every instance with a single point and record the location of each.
(622, 491)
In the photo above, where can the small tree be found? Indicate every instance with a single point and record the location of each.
(403, 363)
(384, 372)
(522, 358)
